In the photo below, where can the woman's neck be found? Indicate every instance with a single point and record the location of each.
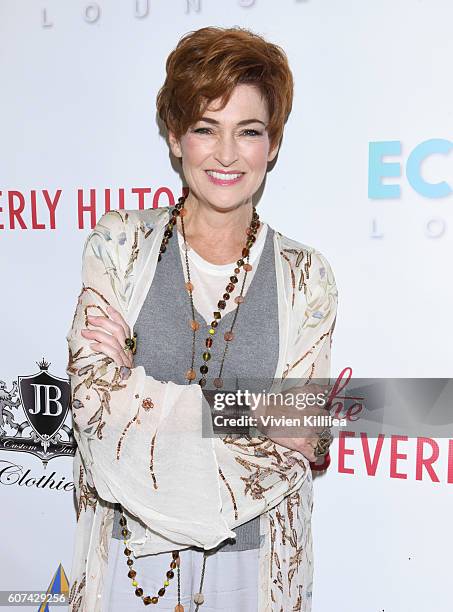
(216, 235)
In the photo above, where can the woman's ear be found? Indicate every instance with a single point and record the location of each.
(175, 144)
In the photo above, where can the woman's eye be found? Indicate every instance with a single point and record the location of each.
(248, 132)
(253, 132)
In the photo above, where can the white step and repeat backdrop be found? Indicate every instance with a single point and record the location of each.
(365, 174)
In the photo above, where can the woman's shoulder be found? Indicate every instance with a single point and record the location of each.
(306, 257)
(128, 218)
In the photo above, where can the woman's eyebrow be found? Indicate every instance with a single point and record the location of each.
(243, 122)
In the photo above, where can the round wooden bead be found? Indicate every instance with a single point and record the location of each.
(194, 325)
(228, 336)
(179, 608)
(239, 299)
(182, 212)
(218, 383)
(247, 267)
(190, 374)
(189, 286)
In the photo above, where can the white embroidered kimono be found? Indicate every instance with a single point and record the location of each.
(140, 442)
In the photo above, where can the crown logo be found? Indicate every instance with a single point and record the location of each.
(43, 365)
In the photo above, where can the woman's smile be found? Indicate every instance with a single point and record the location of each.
(224, 179)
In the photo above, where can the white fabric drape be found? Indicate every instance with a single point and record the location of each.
(139, 439)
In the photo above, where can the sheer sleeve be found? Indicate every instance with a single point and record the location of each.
(140, 438)
(262, 471)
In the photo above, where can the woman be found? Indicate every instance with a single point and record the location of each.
(178, 302)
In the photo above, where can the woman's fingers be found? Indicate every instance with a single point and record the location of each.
(101, 336)
(109, 345)
(114, 328)
(113, 342)
(107, 350)
(117, 317)
(305, 446)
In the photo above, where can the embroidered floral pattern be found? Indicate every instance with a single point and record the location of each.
(86, 495)
(230, 491)
(76, 594)
(147, 403)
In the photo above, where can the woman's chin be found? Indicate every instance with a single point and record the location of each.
(223, 201)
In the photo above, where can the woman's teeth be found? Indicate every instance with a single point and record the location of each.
(222, 176)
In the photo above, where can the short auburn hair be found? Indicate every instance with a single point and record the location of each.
(208, 63)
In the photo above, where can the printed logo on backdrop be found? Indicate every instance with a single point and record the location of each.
(92, 11)
(425, 170)
(33, 415)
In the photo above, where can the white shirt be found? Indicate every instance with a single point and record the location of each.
(210, 280)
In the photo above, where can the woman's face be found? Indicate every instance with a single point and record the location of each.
(225, 153)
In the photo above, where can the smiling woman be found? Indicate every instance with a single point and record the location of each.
(215, 299)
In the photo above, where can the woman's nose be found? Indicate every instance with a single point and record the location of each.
(226, 150)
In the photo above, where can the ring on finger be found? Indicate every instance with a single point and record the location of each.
(323, 444)
(130, 344)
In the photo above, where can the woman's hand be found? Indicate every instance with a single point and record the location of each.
(304, 438)
(110, 338)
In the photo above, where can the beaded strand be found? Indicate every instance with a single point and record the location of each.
(190, 375)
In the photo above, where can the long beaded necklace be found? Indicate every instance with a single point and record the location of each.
(190, 375)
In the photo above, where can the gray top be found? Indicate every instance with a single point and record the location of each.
(164, 342)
